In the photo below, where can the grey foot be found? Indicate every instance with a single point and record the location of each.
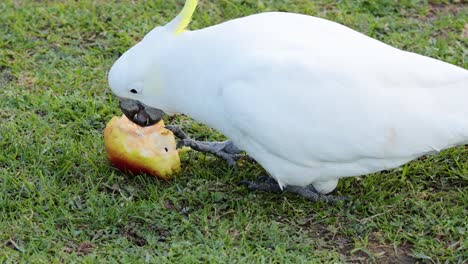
(268, 184)
(178, 132)
(225, 149)
(263, 183)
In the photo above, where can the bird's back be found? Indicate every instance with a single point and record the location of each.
(301, 92)
(279, 39)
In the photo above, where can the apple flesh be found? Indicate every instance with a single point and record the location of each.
(135, 149)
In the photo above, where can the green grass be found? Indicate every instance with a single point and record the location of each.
(60, 200)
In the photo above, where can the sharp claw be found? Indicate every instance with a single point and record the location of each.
(262, 178)
(231, 162)
(244, 183)
(250, 185)
(177, 131)
(180, 144)
(225, 150)
(185, 143)
(241, 183)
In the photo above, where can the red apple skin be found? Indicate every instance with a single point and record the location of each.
(151, 150)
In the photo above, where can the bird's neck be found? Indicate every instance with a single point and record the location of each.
(191, 83)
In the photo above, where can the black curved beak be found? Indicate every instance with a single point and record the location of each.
(140, 113)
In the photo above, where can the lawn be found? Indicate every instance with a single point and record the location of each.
(61, 201)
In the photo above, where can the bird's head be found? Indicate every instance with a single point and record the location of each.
(134, 76)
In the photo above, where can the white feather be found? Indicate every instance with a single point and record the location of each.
(311, 100)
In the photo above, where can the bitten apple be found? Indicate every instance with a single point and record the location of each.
(150, 150)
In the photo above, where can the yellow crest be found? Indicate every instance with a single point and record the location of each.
(181, 22)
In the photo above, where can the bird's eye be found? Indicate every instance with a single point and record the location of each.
(136, 88)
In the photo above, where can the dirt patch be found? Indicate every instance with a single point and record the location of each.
(13, 244)
(5, 76)
(133, 233)
(41, 113)
(465, 31)
(81, 249)
(375, 251)
(388, 254)
(435, 9)
(182, 207)
(26, 81)
(135, 238)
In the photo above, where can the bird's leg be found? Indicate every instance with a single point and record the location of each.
(263, 183)
(178, 132)
(268, 184)
(225, 149)
(311, 194)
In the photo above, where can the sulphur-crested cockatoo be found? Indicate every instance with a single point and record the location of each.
(311, 100)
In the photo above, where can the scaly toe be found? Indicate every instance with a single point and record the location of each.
(246, 183)
(263, 178)
(312, 195)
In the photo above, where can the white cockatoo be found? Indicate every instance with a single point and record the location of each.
(309, 99)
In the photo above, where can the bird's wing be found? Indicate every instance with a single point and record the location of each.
(308, 114)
